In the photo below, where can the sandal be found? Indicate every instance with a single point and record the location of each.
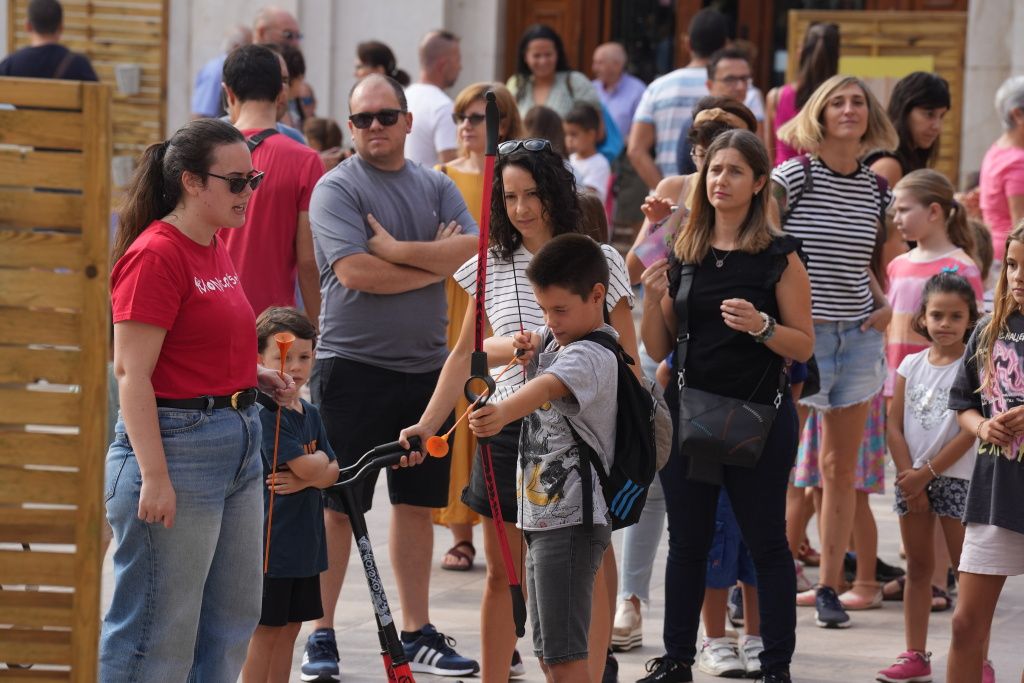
(855, 601)
(893, 590)
(458, 560)
(808, 555)
(940, 600)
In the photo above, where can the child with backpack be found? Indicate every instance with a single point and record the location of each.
(305, 464)
(934, 456)
(569, 406)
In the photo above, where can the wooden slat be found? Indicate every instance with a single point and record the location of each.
(19, 406)
(50, 487)
(35, 675)
(40, 249)
(29, 525)
(34, 646)
(59, 129)
(37, 567)
(20, 365)
(41, 92)
(40, 289)
(35, 608)
(20, 326)
(40, 169)
(24, 208)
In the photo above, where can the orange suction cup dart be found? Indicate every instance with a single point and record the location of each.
(284, 342)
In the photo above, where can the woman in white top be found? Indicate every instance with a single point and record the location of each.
(534, 200)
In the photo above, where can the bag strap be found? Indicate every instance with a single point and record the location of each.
(257, 139)
(808, 186)
(686, 273)
(586, 480)
(62, 68)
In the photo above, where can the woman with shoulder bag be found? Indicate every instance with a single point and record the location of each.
(738, 299)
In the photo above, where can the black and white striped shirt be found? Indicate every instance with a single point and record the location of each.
(837, 221)
(511, 306)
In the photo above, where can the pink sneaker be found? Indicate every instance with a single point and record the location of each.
(910, 667)
(988, 674)
(807, 598)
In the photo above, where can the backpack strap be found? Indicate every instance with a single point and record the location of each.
(63, 66)
(586, 480)
(808, 186)
(257, 139)
(882, 185)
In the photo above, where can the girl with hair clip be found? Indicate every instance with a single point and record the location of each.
(534, 200)
(747, 309)
(374, 57)
(543, 75)
(184, 477)
(819, 61)
(934, 456)
(988, 397)
(835, 204)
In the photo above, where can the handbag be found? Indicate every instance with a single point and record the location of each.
(717, 430)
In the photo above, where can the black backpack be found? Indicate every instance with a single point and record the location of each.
(635, 460)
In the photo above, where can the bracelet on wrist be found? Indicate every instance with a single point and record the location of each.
(766, 331)
(977, 430)
(931, 469)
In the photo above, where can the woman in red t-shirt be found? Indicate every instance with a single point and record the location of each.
(183, 475)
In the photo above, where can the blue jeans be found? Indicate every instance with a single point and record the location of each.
(187, 599)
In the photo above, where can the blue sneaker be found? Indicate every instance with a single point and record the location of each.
(734, 606)
(433, 652)
(320, 659)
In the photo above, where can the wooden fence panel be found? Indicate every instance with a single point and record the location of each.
(939, 35)
(54, 342)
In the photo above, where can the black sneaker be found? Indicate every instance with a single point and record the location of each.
(830, 612)
(734, 606)
(611, 669)
(433, 652)
(885, 572)
(774, 677)
(517, 669)
(320, 659)
(666, 670)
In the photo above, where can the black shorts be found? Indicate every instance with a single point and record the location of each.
(364, 406)
(290, 600)
(504, 451)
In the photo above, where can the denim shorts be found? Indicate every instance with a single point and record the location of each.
(947, 497)
(560, 568)
(729, 560)
(851, 365)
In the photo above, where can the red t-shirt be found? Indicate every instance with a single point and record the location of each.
(263, 249)
(190, 290)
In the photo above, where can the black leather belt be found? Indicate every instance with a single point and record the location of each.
(240, 400)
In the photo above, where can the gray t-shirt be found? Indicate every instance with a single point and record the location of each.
(402, 332)
(549, 488)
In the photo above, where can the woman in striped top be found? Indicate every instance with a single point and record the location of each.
(833, 203)
(534, 200)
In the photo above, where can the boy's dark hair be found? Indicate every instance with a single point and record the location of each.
(253, 73)
(584, 116)
(946, 282)
(294, 61)
(282, 319)
(45, 16)
(572, 261)
(708, 32)
(725, 53)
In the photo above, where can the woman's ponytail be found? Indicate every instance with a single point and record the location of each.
(960, 232)
(144, 199)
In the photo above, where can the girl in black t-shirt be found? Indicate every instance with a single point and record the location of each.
(749, 308)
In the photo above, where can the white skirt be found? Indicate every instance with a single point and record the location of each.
(992, 550)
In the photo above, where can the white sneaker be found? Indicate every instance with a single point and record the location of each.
(802, 582)
(719, 657)
(751, 648)
(628, 629)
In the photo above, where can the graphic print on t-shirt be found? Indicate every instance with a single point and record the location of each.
(928, 404)
(1009, 378)
(543, 487)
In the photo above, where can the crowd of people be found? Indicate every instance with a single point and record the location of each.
(798, 259)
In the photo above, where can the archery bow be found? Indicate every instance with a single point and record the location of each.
(479, 371)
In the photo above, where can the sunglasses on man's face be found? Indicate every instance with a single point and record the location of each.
(529, 144)
(386, 117)
(291, 35)
(236, 184)
(473, 119)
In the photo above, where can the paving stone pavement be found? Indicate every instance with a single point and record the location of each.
(848, 656)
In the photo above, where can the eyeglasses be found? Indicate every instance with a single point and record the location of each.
(474, 119)
(307, 101)
(236, 184)
(386, 117)
(291, 35)
(529, 144)
(735, 80)
(697, 157)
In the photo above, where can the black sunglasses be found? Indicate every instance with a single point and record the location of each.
(529, 144)
(236, 184)
(474, 119)
(387, 117)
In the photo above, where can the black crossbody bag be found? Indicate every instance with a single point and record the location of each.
(717, 430)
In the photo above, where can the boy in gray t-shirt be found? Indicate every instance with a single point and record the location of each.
(571, 379)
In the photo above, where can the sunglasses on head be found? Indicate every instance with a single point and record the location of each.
(236, 184)
(386, 117)
(474, 119)
(529, 144)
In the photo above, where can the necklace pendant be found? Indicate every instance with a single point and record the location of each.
(719, 263)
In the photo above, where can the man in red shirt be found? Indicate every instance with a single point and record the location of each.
(275, 245)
